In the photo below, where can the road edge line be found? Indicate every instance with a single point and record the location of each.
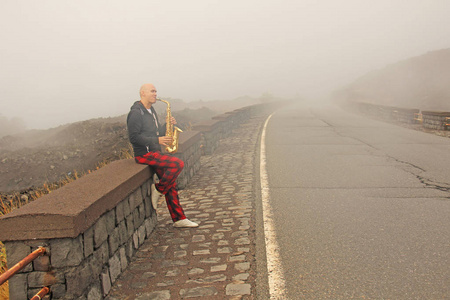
(277, 285)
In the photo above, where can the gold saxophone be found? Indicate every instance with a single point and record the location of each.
(171, 130)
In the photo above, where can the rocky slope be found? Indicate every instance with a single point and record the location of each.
(420, 82)
(35, 157)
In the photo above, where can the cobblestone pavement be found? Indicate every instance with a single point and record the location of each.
(217, 259)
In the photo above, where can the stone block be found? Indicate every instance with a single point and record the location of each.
(130, 225)
(122, 232)
(41, 263)
(110, 221)
(149, 185)
(66, 252)
(78, 279)
(120, 211)
(136, 240)
(88, 242)
(129, 249)
(113, 241)
(238, 289)
(105, 281)
(123, 259)
(135, 199)
(149, 227)
(102, 253)
(141, 234)
(15, 252)
(132, 201)
(95, 293)
(95, 261)
(114, 267)
(139, 197)
(126, 207)
(141, 209)
(198, 292)
(136, 219)
(18, 286)
(145, 190)
(100, 231)
(58, 290)
(40, 279)
(159, 295)
(148, 206)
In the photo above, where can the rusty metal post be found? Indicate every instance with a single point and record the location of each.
(21, 264)
(41, 293)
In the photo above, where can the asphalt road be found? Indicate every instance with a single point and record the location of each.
(361, 207)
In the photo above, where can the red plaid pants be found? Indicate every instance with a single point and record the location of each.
(167, 168)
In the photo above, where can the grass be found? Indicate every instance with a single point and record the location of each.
(17, 202)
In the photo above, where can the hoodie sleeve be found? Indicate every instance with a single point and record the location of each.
(134, 124)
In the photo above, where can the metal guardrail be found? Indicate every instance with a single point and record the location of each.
(22, 264)
(418, 117)
(41, 293)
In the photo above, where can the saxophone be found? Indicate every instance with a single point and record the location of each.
(171, 130)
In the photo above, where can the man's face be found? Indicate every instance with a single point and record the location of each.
(151, 94)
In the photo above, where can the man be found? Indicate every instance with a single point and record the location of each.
(147, 135)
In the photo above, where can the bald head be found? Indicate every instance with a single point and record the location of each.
(146, 88)
(148, 94)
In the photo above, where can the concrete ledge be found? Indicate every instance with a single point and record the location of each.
(72, 209)
(187, 139)
(222, 117)
(208, 125)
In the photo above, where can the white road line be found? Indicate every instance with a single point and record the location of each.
(277, 286)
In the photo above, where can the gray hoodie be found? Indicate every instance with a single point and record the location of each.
(142, 130)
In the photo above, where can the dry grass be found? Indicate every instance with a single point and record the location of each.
(17, 202)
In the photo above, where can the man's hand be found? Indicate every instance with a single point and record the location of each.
(173, 121)
(165, 140)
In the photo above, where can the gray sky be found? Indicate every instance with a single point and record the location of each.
(64, 61)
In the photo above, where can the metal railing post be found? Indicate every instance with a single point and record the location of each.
(21, 264)
(41, 293)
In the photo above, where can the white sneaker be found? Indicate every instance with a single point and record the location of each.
(155, 196)
(185, 223)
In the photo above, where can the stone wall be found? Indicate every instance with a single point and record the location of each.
(211, 131)
(221, 126)
(189, 152)
(92, 227)
(226, 128)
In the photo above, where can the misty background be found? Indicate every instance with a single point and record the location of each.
(66, 61)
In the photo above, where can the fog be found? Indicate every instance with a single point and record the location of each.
(64, 61)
